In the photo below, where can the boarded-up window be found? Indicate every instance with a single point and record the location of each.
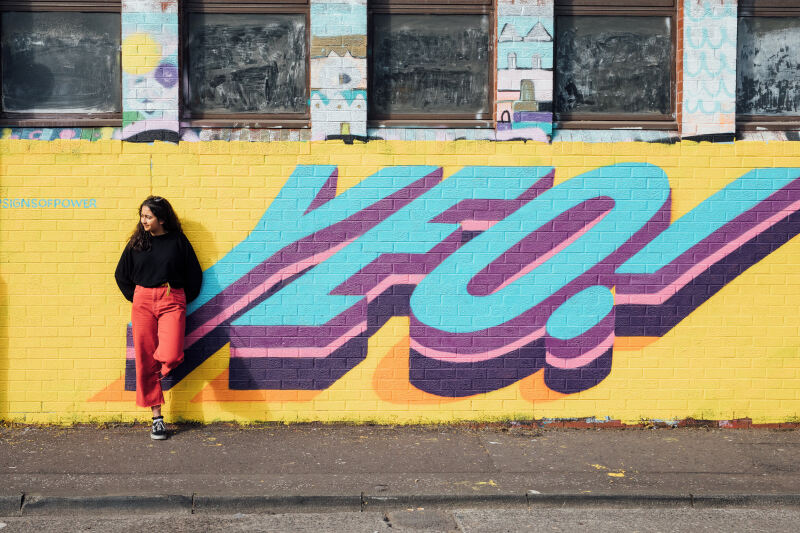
(430, 64)
(246, 63)
(60, 64)
(768, 66)
(768, 63)
(615, 62)
(613, 65)
(253, 63)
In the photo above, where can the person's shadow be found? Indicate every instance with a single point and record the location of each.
(205, 245)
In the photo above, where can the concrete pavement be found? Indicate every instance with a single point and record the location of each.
(495, 520)
(222, 468)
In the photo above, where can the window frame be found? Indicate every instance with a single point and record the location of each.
(50, 119)
(436, 7)
(665, 8)
(766, 8)
(238, 120)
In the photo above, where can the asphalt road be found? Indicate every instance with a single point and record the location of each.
(767, 520)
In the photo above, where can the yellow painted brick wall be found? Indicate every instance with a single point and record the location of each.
(63, 320)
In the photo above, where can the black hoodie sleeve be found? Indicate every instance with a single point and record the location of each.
(192, 271)
(124, 274)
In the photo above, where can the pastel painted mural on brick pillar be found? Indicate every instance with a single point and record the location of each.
(338, 69)
(524, 69)
(709, 67)
(150, 70)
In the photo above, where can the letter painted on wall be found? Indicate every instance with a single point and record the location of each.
(501, 273)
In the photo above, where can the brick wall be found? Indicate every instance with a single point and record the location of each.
(450, 281)
(409, 276)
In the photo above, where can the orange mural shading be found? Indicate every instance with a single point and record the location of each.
(115, 392)
(391, 382)
(633, 343)
(533, 388)
(218, 391)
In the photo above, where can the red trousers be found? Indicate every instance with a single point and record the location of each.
(158, 318)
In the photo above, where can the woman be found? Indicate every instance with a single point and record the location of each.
(159, 273)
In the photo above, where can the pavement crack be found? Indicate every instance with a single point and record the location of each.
(456, 519)
(21, 503)
(193, 497)
(492, 466)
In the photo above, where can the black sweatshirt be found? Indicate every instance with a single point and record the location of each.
(170, 259)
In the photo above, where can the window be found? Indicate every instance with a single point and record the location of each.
(615, 64)
(768, 65)
(246, 63)
(431, 64)
(60, 63)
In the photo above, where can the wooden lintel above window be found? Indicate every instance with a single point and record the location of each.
(769, 8)
(62, 5)
(428, 3)
(65, 121)
(615, 7)
(239, 6)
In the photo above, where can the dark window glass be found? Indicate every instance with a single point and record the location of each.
(768, 66)
(247, 63)
(613, 65)
(61, 62)
(429, 64)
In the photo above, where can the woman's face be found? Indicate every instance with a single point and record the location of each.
(150, 222)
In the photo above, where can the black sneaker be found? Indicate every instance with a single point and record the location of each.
(159, 430)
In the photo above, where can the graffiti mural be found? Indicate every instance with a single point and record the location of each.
(338, 69)
(501, 273)
(150, 71)
(52, 134)
(525, 70)
(709, 67)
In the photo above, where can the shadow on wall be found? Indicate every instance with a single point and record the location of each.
(180, 403)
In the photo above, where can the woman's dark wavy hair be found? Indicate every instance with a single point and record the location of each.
(162, 210)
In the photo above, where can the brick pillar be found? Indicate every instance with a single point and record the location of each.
(525, 69)
(338, 69)
(150, 70)
(709, 67)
